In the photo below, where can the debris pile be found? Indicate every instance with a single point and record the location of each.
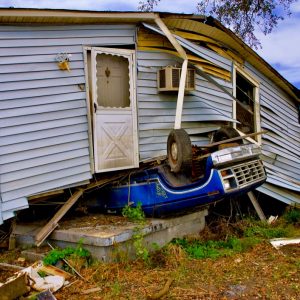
(37, 280)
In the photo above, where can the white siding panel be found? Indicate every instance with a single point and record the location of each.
(38, 109)
(281, 144)
(43, 169)
(11, 77)
(105, 40)
(45, 49)
(28, 102)
(9, 205)
(59, 124)
(48, 133)
(43, 143)
(42, 152)
(37, 67)
(71, 179)
(284, 195)
(36, 84)
(43, 116)
(40, 161)
(21, 94)
(25, 59)
(206, 104)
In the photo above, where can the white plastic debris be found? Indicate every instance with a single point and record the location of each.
(50, 282)
(272, 219)
(277, 243)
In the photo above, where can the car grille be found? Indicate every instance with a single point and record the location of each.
(249, 172)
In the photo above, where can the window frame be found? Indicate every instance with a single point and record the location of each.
(256, 94)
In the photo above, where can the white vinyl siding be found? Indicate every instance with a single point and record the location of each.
(156, 111)
(280, 146)
(43, 114)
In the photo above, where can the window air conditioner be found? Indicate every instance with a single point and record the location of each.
(169, 78)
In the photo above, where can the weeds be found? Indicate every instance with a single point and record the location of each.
(242, 236)
(134, 213)
(292, 216)
(215, 249)
(58, 254)
(266, 231)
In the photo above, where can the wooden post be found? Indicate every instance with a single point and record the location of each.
(53, 223)
(257, 206)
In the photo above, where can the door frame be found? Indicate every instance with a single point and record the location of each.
(91, 99)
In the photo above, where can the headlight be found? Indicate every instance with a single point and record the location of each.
(226, 184)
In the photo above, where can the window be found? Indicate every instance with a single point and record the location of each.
(112, 81)
(246, 108)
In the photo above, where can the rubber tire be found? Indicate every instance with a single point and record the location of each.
(226, 132)
(183, 161)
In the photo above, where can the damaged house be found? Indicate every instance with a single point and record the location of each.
(57, 132)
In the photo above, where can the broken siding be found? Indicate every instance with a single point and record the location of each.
(156, 111)
(280, 146)
(43, 116)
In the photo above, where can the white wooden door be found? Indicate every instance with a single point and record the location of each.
(115, 117)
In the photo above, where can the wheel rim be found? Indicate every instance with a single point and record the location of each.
(174, 152)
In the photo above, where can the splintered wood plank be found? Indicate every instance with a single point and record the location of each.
(53, 223)
(14, 287)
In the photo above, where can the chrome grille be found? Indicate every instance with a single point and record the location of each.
(249, 172)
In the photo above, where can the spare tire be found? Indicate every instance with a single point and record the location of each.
(179, 150)
(225, 133)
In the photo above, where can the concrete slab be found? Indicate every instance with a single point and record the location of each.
(108, 241)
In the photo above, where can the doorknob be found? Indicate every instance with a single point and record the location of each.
(95, 107)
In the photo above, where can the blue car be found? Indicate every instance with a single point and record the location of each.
(161, 191)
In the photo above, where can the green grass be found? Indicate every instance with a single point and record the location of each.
(215, 249)
(242, 238)
(292, 216)
(266, 231)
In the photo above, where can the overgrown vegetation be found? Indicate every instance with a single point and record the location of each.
(215, 249)
(292, 216)
(69, 252)
(136, 214)
(227, 239)
(223, 262)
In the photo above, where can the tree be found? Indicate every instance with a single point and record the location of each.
(241, 16)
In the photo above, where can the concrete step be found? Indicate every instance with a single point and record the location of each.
(107, 241)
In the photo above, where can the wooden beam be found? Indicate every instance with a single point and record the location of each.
(234, 139)
(53, 223)
(162, 26)
(257, 206)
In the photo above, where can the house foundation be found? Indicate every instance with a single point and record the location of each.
(109, 242)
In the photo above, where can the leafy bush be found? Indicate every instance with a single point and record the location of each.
(58, 254)
(134, 213)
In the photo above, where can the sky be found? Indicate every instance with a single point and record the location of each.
(280, 48)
